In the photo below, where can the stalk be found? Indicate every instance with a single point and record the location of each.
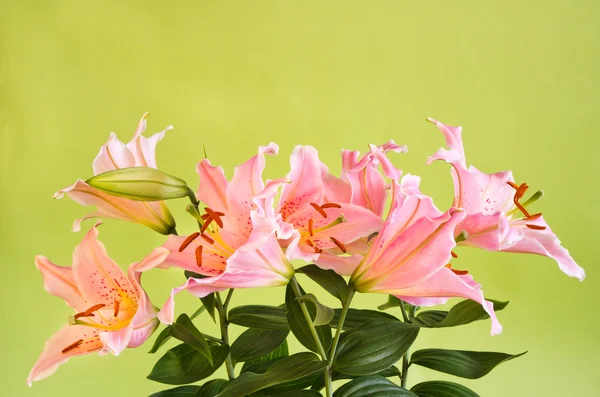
(224, 323)
(313, 331)
(408, 318)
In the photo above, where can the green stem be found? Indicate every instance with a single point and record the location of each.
(213, 338)
(222, 309)
(313, 331)
(405, 359)
(340, 326)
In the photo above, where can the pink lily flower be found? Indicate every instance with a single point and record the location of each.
(496, 219)
(138, 152)
(237, 244)
(327, 228)
(410, 255)
(113, 311)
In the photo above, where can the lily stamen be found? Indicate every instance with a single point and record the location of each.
(206, 224)
(188, 241)
(454, 254)
(117, 307)
(310, 227)
(215, 216)
(198, 253)
(90, 312)
(534, 216)
(331, 205)
(339, 244)
(310, 243)
(320, 210)
(207, 239)
(457, 272)
(536, 227)
(72, 346)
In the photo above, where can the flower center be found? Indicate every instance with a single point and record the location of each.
(519, 193)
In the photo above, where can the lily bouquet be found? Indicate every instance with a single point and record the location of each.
(370, 230)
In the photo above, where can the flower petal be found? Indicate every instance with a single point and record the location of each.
(246, 183)
(113, 154)
(58, 281)
(61, 347)
(117, 341)
(144, 149)
(445, 283)
(213, 186)
(337, 190)
(342, 265)
(304, 188)
(544, 242)
(97, 276)
(213, 261)
(453, 136)
(154, 215)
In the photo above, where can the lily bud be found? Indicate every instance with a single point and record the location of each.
(140, 184)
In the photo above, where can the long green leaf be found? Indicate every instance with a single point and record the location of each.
(438, 388)
(336, 375)
(258, 316)
(323, 314)
(300, 327)
(181, 391)
(466, 364)
(212, 388)
(372, 386)
(285, 370)
(462, 313)
(164, 335)
(373, 346)
(254, 343)
(261, 364)
(184, 364)
(184, 330)
(357, 317)
(328, 279)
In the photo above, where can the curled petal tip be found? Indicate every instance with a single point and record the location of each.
(431, 120)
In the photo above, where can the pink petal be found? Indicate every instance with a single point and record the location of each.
(141, 334)
(97, 276)
(369, 189)
(213, 260)
(305, 186)
(113, 154)
(117, 341)
(213, 186)
(52, 355)
(337, 190)
(246, 183)
(453, 136)
(445, 283)
(154, 215)
(342, 265)
(144, 149)
(58, 281)
(544, 242)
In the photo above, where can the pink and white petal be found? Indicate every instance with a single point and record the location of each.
(98, 277)
(57, 351)
(495, 194)
(117, 341)
(453, 136)
(389, 170)
(58, 281)
(391, 146)
(445, 284)
(342, 265)
(369, 189)
(349, 162)
(418, 253)
(153, 215)
(113, 154)
(545, 242)
(265, 200)
(423, 301)
(304, 188)
(262, 230)
(141, 334)
(337, 190)
(144, 149)
(213, 186)
(483, 231)
(246, 183)
(213, 262)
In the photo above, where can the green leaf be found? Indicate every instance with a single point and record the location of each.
(328, 279)
(357, 317)
(335, 375)
(373, 346)
(300, 327)
(261, 364)
(299, 393)
(164, 335)
(466, 364)
(372, 386)
(209, 303)
(181, 391)
(438, 388)
(391, 302)
(254, 343)
(462, 313)
(184, 330)
(184, 364)
(258, 316)
(212, 388)
(285, 370)
(323, 314)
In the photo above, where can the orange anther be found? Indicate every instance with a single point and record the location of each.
(514, 185)
(536, 227)
(90, 312)
(198, 253)
(188, 241)
(310, 227)
(339, 244)
(206, 224)
(309, 243)
(117, 306)
(331, 205)
(215, 216)
(534, 216)
(320, 210)
(454, 254)
(72, 346)
(207, 239)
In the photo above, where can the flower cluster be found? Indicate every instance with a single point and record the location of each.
(371, 224)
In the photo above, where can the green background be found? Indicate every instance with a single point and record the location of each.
(522, 78)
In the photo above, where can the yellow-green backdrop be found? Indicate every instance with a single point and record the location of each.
(523, 78)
